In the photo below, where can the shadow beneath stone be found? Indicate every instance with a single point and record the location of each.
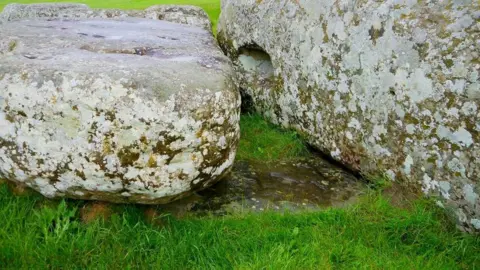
(93, 211)
(302, 185)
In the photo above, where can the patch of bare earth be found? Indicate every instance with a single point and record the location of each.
(18, 189)
(95, 210)
(153, 216)
(402, 195)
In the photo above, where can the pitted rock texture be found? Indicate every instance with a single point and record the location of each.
(385, 87)
(190, 15)
(124, 110)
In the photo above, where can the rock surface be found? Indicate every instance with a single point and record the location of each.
(304, 184)
(190, 15)
(124, 110)
(386, 87)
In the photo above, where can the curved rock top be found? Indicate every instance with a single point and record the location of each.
(183, 14)
(148, 48)
(121, 110)
(388, 88)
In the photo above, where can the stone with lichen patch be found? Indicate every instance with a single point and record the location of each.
(385, 87)
(120, 110)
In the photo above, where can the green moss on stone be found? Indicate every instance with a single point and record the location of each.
(448, 63)
(325, 32)
(152, 161)
(422, 49)
(128, 156)
(376, 34)
(356, 19)
(227, 45)
(107, 147)
(409, 119)
(12, 45)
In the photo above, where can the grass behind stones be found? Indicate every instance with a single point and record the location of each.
(262, 141)
(212, 7)
(40, 234)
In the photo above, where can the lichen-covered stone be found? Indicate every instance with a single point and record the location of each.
(124, 110)
(190, 15)
(385, 87)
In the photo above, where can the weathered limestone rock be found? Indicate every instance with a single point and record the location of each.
(124, 110)
(190, 15)
(386, 87)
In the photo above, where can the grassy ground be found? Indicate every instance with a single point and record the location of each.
(39, 234)
(262, 141)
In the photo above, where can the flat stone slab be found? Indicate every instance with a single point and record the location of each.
(120, 110)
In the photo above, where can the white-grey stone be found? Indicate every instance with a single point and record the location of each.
(476, 223)
(382, 86)
(121, 110)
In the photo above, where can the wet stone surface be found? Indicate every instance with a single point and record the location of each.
(305, 184)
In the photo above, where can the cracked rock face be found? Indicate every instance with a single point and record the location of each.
(190, 15)
(120, 110)
(386, 87)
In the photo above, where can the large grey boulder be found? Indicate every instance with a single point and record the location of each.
(124, 110)
(386, 87)
(183, 14)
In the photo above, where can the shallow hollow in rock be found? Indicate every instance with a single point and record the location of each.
(124, 110)
(255, 74)
(254, 59)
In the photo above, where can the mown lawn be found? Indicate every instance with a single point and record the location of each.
(40, 234)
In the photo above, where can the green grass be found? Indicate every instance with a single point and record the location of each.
(38, 234)
(212, 7)
(262, 141)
